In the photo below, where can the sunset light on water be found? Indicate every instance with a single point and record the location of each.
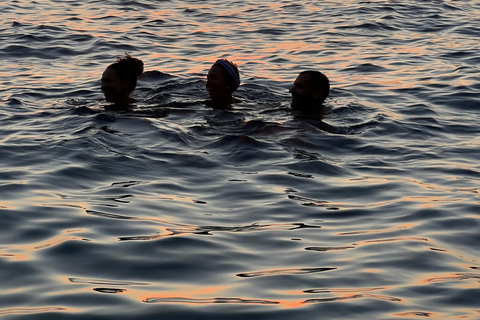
(174, 209)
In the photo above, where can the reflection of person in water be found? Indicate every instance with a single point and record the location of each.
(120, 79)
(222, 80)
(309, 91)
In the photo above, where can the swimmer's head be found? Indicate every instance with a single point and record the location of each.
(120, 79)
(309, 91)
(222, 80)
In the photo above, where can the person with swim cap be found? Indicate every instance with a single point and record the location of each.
(309, 91)
(120, 79)
(222, 80)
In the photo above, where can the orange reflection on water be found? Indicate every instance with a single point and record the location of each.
(374, 271)
(428, 202)
(382, 80)
(417, 314)
(200, 65)
(14, 256)
(201, 292)
(448, 277)
(396, 239)
(162, 13)
(219, 294)
(284, 304)
(26, 251)
(176, 198)
(386, 230)
(38, 310)
(6, 205)
(334, 294)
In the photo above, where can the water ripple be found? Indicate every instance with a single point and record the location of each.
(208, 300)
(19, 311)
(160, 211)
(355, 296)
(283, 271)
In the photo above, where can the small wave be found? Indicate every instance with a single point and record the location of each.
(457, 277)
(209, 230)
(109, 290)
(106, 282)
(366, 68)
(283, 272)
(208, 300)
(343, 290)
(355, 296)
(378, 26)
(109, 215)
(18, 311)
(328, 248)
(411, 314)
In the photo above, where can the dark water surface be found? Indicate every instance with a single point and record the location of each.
(179, 211)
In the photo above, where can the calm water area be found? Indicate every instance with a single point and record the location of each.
(175, 210)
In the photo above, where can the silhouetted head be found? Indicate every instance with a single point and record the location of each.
(222, 80)
(120, 79)
(309, 91)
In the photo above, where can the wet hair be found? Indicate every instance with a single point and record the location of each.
(230, 73)
(319, 81)
(128, 68)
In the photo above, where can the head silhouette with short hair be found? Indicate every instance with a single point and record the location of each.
(309, 91)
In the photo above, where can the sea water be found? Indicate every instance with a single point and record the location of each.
(175, 210)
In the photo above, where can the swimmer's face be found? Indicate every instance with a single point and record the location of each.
(114, 89)
(303, 94)
(216, 84)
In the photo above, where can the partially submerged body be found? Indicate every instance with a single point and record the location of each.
(222, 80)
(309, 92)
(119, 81)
